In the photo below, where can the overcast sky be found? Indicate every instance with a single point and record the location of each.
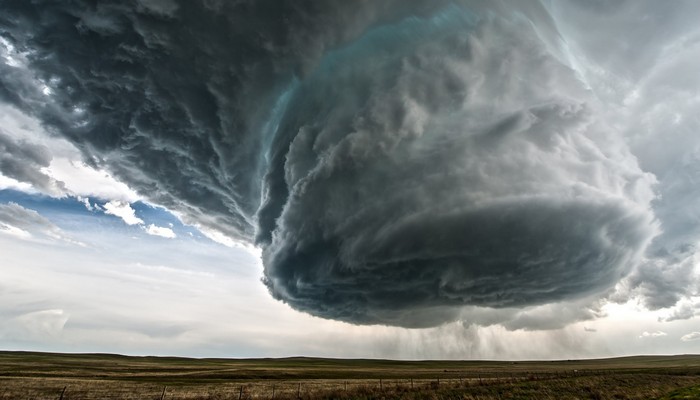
(399, 179)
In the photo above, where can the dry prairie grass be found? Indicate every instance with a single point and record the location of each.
(44, 376)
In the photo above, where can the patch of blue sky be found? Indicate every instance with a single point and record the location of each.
(71, 215)
(44, 205)
(109, 240)
(160, 216)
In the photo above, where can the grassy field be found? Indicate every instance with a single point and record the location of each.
(100, 376)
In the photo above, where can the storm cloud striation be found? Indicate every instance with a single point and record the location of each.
(462, 169)
(395, 160)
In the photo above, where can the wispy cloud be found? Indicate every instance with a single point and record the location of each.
(28, 224)
(692, 336)
(652, 335)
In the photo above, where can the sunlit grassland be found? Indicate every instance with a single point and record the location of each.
(100, 376)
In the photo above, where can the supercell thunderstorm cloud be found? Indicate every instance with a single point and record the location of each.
(396, 161)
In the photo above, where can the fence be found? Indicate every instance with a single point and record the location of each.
(282, 389)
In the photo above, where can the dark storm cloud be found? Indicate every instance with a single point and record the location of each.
(169, 95)
(664, 281)
(395, 160)
(24, 161)
(427, 193)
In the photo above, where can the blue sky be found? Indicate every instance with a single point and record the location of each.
(410, 180)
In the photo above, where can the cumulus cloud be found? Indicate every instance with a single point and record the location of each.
(398, 162)
(683, 310)
(692, 336)
(160, 231)
(652, 335)
(122, 210)
(126, 213)
(87, 204)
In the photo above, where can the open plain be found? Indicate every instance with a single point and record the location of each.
(27, 375)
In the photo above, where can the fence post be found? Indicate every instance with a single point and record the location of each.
(273, 392)
(63, 392)
(240, 393)
(162, 395)
(299, 391)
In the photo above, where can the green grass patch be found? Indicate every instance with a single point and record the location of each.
(692, 392)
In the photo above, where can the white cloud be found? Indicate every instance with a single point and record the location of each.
(160, 231)
(14, 231)
(221, 238)
(656, 334)
(23, 223)
(691, 337)
(40, 324)
(14, 184)
(65, 173)
(122, 210)
(86, 203)
(685, 309)
(217, 236)
(82, 180)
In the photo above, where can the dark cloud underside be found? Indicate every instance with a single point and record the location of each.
(395, 160)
